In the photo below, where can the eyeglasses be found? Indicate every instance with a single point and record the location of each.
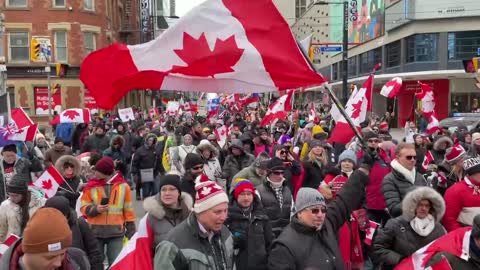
(374, 141)
(278, 172)
(315, 211)
(212, 140)
(411, 157)
(283, 152)
(197, 168)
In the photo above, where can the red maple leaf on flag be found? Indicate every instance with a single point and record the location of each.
(71, 114)
(202, 61)
(357, 108)
(47, 184)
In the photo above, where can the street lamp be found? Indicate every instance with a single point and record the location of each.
(345, 45)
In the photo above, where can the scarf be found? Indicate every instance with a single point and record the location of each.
(423, 227)
(278, 190)
(409, 175)
(476, 189)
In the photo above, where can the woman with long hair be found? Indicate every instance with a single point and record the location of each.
(316, 164)
(450, 171)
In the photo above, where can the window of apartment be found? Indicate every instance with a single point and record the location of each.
(89, 40)
(369, 59)
(89, 4)
(61, 51)
(393, 54)
(18, 50)
(16, 3)
(422, 48)
(352, 66)
(300, 8)
(463, 45)
(59, 3)
(335, 71)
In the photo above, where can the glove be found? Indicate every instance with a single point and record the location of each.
(130, 226)
(368, 159)
(240, 240)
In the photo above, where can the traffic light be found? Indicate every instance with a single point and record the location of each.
(34, 50)
(471, 66)
(61, 70)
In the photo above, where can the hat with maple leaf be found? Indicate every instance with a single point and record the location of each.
(207, 195)
(18, 184)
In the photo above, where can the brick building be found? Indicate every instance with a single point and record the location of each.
(75, 28)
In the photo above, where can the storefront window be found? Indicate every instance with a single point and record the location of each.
(352, 66)
(393, 54)
(463, 45)
(422, 48)
(465, 102)
(335, 71)
(369, 59)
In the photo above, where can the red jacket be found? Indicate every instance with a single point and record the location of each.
(381, 168)
(462, 203)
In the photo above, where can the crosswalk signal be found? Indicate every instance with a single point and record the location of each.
(34, 50)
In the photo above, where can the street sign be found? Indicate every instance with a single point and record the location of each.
(331, 49)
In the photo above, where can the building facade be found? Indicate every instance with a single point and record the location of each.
(415, 40)
(74, 29)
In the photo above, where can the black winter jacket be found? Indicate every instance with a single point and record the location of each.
(83, 238)
(301, 247)
(397, 240)
(252, 236)
(279, 217)
(146, 158)
(313, 175)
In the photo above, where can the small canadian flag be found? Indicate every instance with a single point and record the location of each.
(221, 133)
(49, 181)
(427, 160)
(370, 232)
(7, 244)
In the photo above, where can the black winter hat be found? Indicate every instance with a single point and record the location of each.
(370, 135)
(10, 148)
(61, 204)
(192, 160)
(275, 164)
(170, 179)
(18, 184)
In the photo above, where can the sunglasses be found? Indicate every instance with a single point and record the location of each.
(283, 152)
(197, 168)
(278, 172)
(374, 141)
(212, 140)
(315, 211)
(411, 157)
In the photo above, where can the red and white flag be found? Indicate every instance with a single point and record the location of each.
(72, 116)
(7, 244)
(443, 264)
(126, 114)
(370, 232)
(279, 109)
(392, 88)
(219, 46)
(427, 160)
(427, 98)
(311, 115)
(25, 134)
(49, 181)
(20, 118)
(249, 99)
(221, 134)
(433, 124)
(153, 112)
(138, 253)
(357, 107)
(172, 108)
(456, 242)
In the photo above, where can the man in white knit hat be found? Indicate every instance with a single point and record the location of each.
(201, 241)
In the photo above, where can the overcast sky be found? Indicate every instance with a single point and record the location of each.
(183, 6)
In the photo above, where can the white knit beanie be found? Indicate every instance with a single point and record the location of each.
(208, 195)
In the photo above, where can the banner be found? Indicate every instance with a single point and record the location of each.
(90, 102)
(41, 100)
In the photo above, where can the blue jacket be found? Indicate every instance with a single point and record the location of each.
(64, 131)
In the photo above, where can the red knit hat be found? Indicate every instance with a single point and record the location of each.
(383, 125)
(243, 186)
(454, 153)
(105, 166)
(208, 195)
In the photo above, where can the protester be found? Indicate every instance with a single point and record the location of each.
(96, 142)
(293, 168)
(402, 179)
(420, 149)
(211, 167)
(46, 245)
(64, 131)
(236, 160)
(145, 166)
(462, 200)
(221, 153)
(181, 152)
(263, 142)
(250, 227)
(333, 182)
(440, 145)
(450, 170)
(311, 239)
(116, 152)
(82, 236)
(197, 134)
(41, 146)
(21, 204)
(475, 145)
(168, 208)
(316, 165)
(255, 173)
(106, 202)
(201, 241)
(69, 167)
(58, 150)
(276, 197)
(193, 168)
(419, 224)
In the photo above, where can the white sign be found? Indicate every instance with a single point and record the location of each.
(126, 114)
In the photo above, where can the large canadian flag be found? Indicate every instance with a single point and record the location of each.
(220, 46)
(72, 116)
(279, 109)
(137, 254)
(357, 107)
(427, 98)
(49, 181)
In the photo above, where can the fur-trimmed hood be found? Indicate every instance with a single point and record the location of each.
(411, 200)
(204, 144)
(70, 159)
(153, 206)
(441, 139)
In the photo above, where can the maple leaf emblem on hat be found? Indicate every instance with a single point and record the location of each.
(206, 190)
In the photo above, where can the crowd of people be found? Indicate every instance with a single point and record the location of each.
(277, 197)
